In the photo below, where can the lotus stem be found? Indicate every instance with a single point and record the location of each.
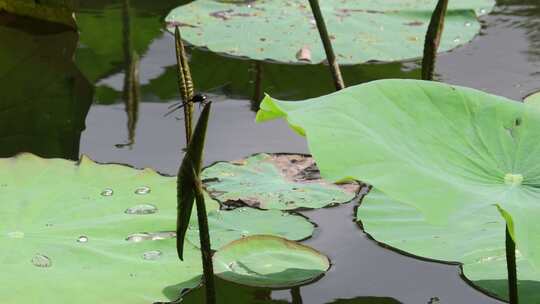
(204, 236)
(185, 83)
(296, 295)
(511, 267)
(257, 91)
(433, 39)
(330, 56)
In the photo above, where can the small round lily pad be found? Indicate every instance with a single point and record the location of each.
(269, 261)
(274, 181)
(229, 225)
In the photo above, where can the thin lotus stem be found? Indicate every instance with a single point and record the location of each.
(204, 236)
(331, 57)
(433, 39)
(296, 295)
(511, 267)
(185, 83)
(257, 91)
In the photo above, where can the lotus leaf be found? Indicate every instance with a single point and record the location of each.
(449, 151)
(279, 30)
(58, 11)
(274, 182)
(226, 226)
(475, 240)
(269, 261)
(81, 233)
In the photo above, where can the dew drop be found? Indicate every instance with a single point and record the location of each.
(457, 40)
(40, 260)
(107, 192)
(138, 237)
(482, 11)
(142, 190)
(468, 23)
(82, 239)
(152, 255)
(142, 209)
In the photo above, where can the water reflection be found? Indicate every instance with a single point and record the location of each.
(228, 292)
(45, 98)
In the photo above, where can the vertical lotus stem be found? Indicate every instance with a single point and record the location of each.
(204, 236)
(511, 267)
(185, 83)
(433, 39)
(296, 295)
(257, 91)
(331, 57)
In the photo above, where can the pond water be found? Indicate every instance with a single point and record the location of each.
(93, 90)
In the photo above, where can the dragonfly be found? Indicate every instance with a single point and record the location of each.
(199, 98)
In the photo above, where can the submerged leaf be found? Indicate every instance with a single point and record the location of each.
(446, 150)
(274, 181)
(360, 30)
(269, 261)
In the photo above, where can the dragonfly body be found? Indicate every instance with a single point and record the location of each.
(199, 98)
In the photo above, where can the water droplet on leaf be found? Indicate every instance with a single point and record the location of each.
(142, 209)
(152, 255)
(142, 190)
(82, 239)
(107, 192)
(16, 234)
(40, 260)
(138, 237)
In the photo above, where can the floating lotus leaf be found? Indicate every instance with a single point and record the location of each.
(476, 240)
(284, 30)
(58, 11)
(227, 226)
(274, 182)
(83, 233)
(269, 261)
(448, 151)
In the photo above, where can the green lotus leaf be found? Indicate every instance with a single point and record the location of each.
(227, 226)
(274, 181)
(448, 151)
(285, 31)
(89, 233)
(58, 11)
(269, 261)
(476, 240)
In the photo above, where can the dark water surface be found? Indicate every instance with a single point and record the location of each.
(124, 121)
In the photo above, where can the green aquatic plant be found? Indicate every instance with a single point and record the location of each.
(274, 181)
(97, 232)
(57, 11)
(190, 190)
(448, 151)
(269, 261)
(284, 30)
